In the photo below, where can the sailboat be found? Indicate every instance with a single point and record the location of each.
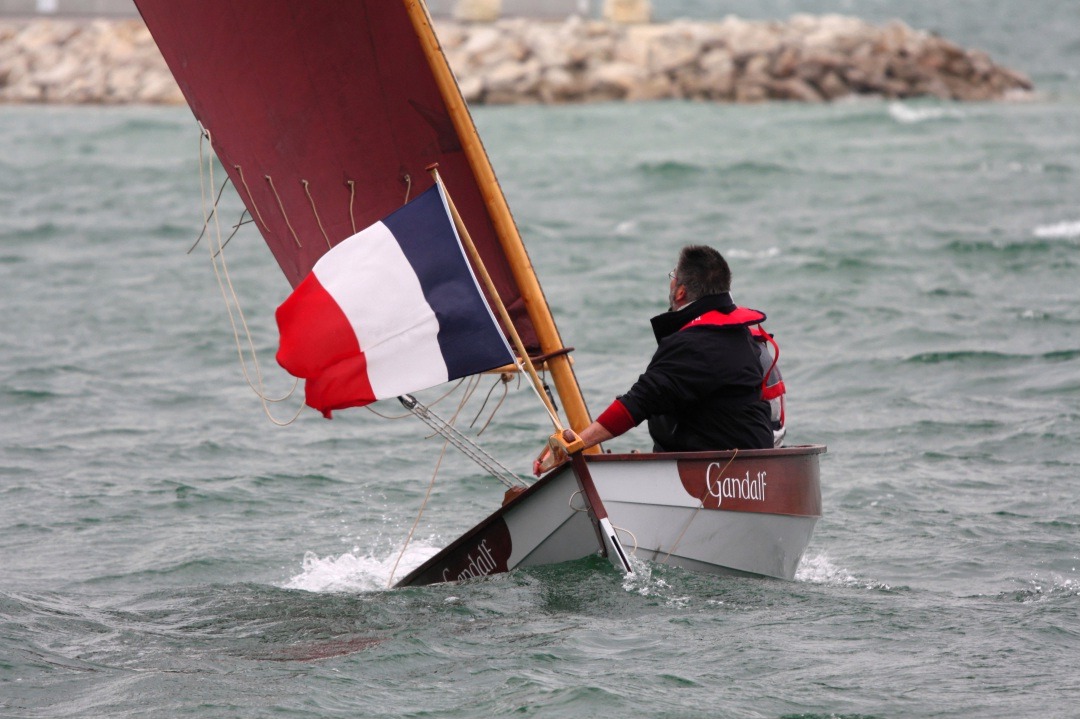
(327, 116)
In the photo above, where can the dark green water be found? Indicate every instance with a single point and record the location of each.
(167, 551)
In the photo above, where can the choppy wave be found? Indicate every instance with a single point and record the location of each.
(1058, 231)
(1041, 589)
(907, 115)
(740, 254)
(819, 569)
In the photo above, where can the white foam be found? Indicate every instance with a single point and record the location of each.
(1055, 585)
(353, 572)
(1059, 231)
(911, 115)
(819, 570)
(765, 254)
(640, 580)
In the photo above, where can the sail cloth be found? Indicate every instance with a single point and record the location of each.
(323, 112)
(393, 309)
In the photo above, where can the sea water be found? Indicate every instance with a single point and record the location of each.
(168, 551)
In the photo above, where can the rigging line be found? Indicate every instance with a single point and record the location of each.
(420, 513)
(483, 404)
(317, 218)
(206, 221)
(270, 180)
(470, 389)
(543, 401)
(408, 187)
(448, 392)
(240, 171)
(504, 379)
(235, 229)
(473, 381)
(396, 417)
(465, 445)
(498, 406)
(352, 197)
(701, 506)
(224, 280)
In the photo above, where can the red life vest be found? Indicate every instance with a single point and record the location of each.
(772, 386)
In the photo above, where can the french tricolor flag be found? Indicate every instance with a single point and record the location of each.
(393, 309)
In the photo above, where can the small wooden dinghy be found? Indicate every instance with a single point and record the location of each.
(327, 117)
(749, 512)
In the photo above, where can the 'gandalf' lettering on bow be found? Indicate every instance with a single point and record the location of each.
(479, 565)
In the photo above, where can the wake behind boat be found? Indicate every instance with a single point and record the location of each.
(329, 117)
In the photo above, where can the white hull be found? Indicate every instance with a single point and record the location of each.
(749, 512)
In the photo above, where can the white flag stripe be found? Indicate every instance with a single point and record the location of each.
(372, 281)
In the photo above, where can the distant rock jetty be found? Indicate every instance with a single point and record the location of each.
(807, 58)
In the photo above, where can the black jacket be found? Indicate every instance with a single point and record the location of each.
(702, 388)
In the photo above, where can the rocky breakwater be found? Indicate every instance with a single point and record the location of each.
(807, 58)
(81, 62)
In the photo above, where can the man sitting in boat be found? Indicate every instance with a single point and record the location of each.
(703, 388)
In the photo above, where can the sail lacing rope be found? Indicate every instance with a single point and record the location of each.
(228, 292)
(284, 214)
(318, 219)
(251, 198)
(352, 198)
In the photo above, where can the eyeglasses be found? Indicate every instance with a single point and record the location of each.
(671, 275)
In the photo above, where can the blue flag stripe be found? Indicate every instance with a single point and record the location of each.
(469, 338)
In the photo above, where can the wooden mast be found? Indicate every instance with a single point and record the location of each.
(513, 248)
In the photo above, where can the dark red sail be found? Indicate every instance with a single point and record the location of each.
(325, 114)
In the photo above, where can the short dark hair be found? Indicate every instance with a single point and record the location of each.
(702, 271)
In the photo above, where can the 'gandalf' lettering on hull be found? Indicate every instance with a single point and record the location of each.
(745, 488)
(780, 483)
(480, 564)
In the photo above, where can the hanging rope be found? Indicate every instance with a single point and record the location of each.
(228, 292)
(206, 220)
(504, 379)
(419, 514)
(236, 228)
(270, 180)
(251, 198)
(352, 198)
(317, 218)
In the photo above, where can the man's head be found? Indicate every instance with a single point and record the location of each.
(701, 271)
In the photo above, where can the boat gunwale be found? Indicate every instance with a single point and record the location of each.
(791, 451)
